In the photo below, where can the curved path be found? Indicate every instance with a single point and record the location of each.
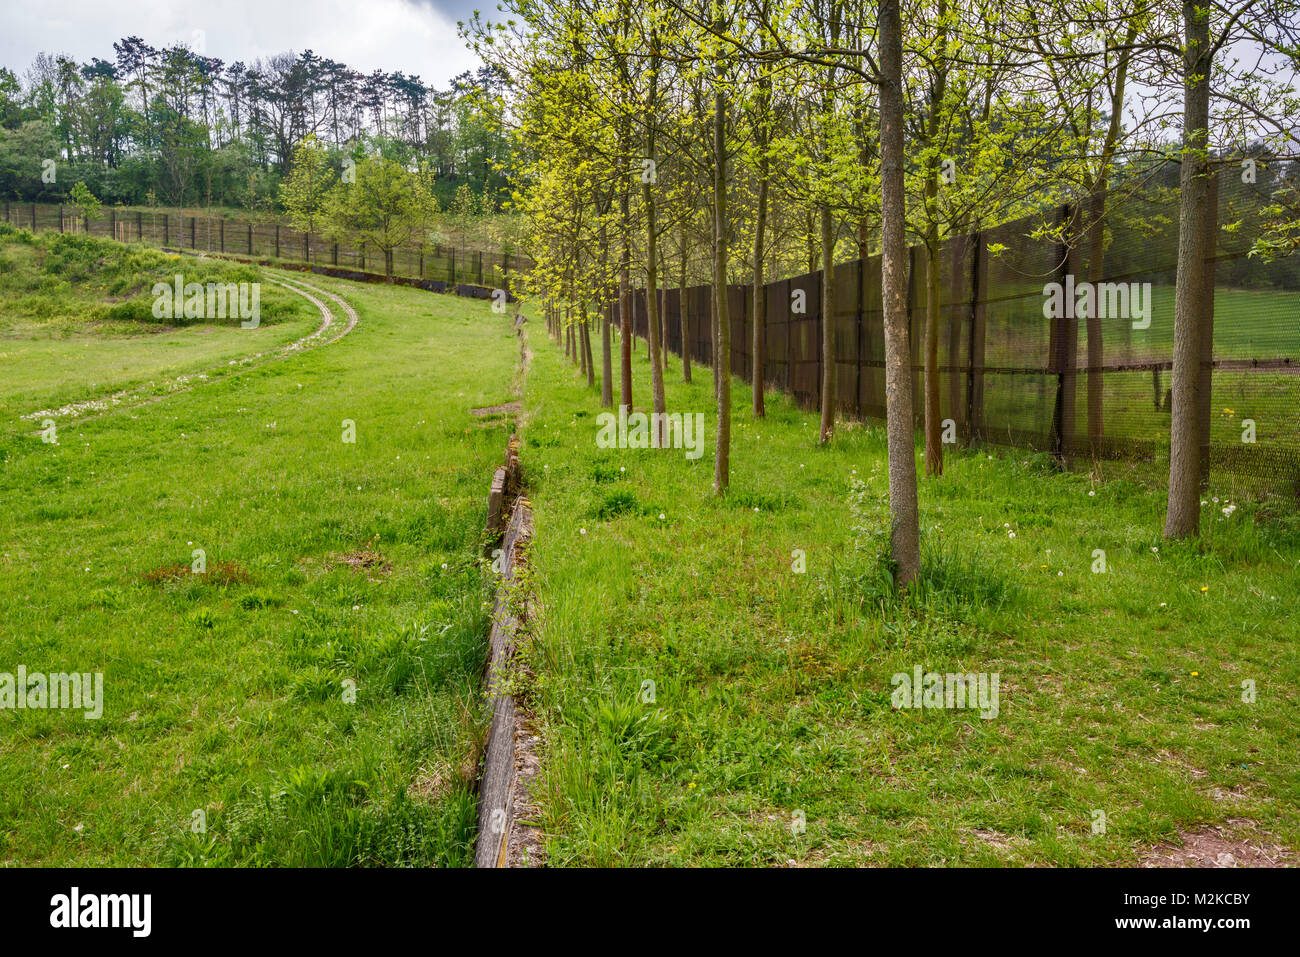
(83, 411)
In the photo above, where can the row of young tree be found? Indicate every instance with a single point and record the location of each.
(738, 139)
(194, 129)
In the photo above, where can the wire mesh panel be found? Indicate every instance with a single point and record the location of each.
(871, 344)
(673, 318)
(804, 338)
(777, 334)
(844, 331)
(738, 312)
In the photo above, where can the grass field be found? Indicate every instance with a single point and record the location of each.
(331, 567)
(713, 677)
(77, 321)
(1120, 691)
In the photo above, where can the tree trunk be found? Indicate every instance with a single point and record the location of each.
(625, 311)
(827, 431)
(1096, 352)
(658, 440)
(758, 349)
(663, 318)
(722, 361)
(933, 428)
(1183, 515)
(586, 348)
(758, 343)
(714, 307)
(933, 279)
(606, 309)
(904, 533)
(606, 356)
(577, 338)
(684, 309)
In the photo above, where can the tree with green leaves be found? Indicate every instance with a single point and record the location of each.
(388, 206)
(84, 202)
(306, 190)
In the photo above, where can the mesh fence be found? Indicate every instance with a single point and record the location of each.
(245, 238)
(1089, 380)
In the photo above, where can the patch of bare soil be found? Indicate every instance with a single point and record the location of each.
(1238, 843)
(363, 559)
(497, 409)
(218, 573)
(1002, 843)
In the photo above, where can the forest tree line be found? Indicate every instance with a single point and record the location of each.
(172, 126)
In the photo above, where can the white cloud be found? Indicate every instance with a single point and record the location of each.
(415, 38)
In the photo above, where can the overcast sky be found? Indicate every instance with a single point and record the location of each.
(414, 36)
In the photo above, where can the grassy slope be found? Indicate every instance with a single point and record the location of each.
(226, 697)
(76, 321)
(1119, 691)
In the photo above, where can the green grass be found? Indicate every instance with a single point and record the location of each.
(329, 562)
(1119, 692)
(326, 562)
(77, 321)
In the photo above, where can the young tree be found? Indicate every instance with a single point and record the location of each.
(387, 207)
(84, 202)
(1207, 30)
(305, 192)
(904, 534)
